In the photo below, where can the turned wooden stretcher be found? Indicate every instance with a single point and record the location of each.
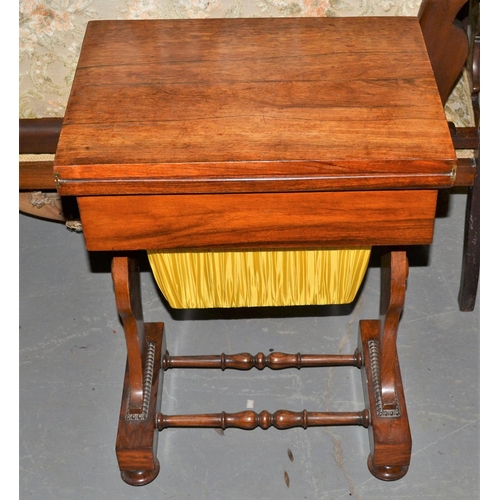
(256, 135)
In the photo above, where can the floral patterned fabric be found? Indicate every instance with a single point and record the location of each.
(51, 33)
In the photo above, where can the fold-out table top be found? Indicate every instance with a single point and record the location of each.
(253, 105)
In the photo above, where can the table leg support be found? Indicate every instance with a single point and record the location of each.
(136, 443)
(390, 437)
(137, 440)
(138, 427)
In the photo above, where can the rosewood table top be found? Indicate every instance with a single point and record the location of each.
(253, 105)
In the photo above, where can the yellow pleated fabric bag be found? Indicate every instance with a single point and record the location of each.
(260, 278)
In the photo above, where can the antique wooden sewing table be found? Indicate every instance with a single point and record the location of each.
(228, 134)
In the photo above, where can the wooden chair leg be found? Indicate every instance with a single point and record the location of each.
(470, 262)
(137, 439)
(390, 437)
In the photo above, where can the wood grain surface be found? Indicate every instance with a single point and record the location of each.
(219, 105)
(258, 220)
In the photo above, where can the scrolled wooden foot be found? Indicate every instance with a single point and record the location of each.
(137, 438)
(387, 472)
(140, 477)
(389, 430)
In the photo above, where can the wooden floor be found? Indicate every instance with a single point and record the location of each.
(72, 360)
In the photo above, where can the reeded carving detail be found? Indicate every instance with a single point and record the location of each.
(148, 383)
(374, 350)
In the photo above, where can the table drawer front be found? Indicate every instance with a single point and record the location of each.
(258, 220)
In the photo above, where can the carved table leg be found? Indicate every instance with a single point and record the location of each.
(390, 438)
(137, 439)
(141, 420)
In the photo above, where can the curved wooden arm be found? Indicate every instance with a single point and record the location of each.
(39, 135)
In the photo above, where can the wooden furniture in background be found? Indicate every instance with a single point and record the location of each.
(224, 134)
(452, 46)
(38, 196)
(37, 137)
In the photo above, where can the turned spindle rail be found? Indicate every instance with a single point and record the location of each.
(275, 361)
(282, 419)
